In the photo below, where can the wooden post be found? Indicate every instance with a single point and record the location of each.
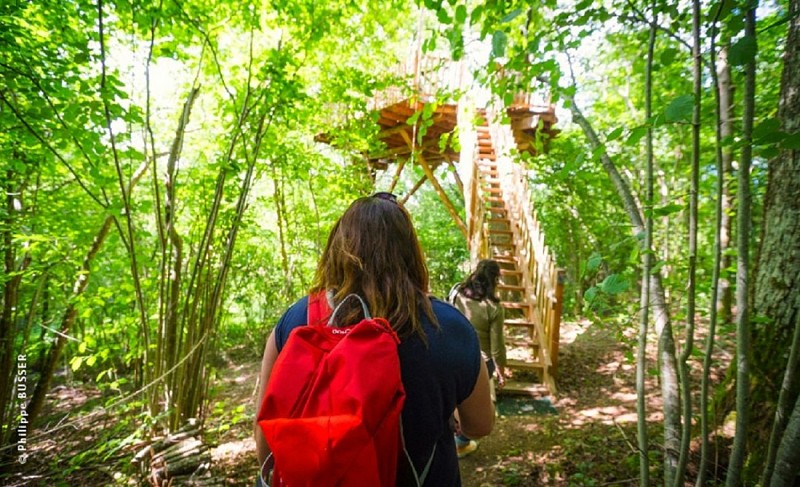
(396, 177)
(555, 334)
(459, 183)
(413, 190)
(426, 168)
(442, 195)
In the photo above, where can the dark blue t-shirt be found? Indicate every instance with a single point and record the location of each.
(436, 377)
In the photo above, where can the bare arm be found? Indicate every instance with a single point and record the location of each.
(476, 412)
(270, 355)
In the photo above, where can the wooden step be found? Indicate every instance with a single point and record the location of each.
(513, 305)
(504, 259)
(492, 190)
(524, 365)
(511, 287)
(532, 389)
(510, 272)
(495, 199)
(495, 231)
(520, 322)
(499, 220)
(497, 209)
(522, 344)
(509, 245)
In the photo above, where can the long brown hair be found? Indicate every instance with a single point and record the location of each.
(482, 284)
(373, 251)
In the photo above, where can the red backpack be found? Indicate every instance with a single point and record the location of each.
(331, 410)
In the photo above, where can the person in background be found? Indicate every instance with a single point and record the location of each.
(477, 299)
(373, 251)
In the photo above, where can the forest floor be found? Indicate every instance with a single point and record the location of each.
(584, 435)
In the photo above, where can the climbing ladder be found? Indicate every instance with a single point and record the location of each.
(503, 226)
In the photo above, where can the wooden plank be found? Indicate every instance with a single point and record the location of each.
(524, 389)
(523, 365)
(518, 322)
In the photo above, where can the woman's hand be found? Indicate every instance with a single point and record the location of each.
(500, 372)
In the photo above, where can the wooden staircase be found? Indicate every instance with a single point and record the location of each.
(502, 227)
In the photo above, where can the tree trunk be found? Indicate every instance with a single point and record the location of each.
(726, 113)
(647, 269)
(715, 275)
(788, 462)
(691, 291)
(777, 288)
(743, 339)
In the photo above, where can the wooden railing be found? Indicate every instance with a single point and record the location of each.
(426, 78)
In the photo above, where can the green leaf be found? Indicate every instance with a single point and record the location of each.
(443, 16)
(75, 363)
(475, 15)
(614, 284)
(590, 293)
(594, 261)
(636, 135)
(743, 51)
(499, 42)
(511, 16)
(791, 142)
(461, 14)
(680, 109)
(667, 209)
(615, 134)
(766, 128)
(668, 56)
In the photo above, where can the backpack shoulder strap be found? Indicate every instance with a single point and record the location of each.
(319, 310)
(451, 296)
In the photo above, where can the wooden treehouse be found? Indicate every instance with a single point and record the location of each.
(501, 222)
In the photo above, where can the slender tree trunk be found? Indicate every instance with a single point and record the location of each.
(725, 93)
(715, 279)
(647, 269)
(688, 348)
(743, 345)
(787, 463)
(279, 212)
(788, 459)
(667, 360)
(169, 329)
